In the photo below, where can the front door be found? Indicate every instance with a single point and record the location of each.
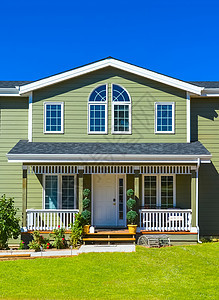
(105, 200)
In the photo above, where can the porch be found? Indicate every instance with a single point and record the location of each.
(173, 212)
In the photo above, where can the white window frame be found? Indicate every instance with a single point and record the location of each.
(59, 192)
(121, 103)
(173, 117)
(158, 186)
(106, 111)
(62, 117)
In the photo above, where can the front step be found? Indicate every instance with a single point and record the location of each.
(109, 238)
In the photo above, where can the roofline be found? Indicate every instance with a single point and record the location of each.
(110, 62)
(106, 158)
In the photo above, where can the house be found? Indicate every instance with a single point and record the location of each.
(111, 126)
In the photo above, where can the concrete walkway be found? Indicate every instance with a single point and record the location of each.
(105, 248)
(68, 252)
(64, 252)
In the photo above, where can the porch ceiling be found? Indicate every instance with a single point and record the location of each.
(36, 152)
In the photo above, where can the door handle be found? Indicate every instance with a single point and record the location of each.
(114, 201)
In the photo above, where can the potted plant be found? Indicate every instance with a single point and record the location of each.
(131, 214)
(86, 214)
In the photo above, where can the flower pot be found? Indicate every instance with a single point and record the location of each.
(132, 229)
(86, 229)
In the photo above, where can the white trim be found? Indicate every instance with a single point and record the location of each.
(121, 222)
(158, 188)
(92, 200)
(86, 158)
(98, 103)
(30, 117)
(59, 190)
(62, 117)
(111, 62)
(197, 198)
(128, 103)
(173, 118)
(188, 113)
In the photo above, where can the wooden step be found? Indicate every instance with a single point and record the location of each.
(108, 239)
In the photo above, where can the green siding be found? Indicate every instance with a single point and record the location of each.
(183, 191)
(144, 93)
(13, 127)
(205, 128)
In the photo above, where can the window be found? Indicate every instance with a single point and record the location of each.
(59, 192)
(164, 117)
(159, 191)
(97, 110)
(53, 117)
(121, 110)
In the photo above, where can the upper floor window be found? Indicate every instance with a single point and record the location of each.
(121, 110)
(97, 110)
(164, 117)
(53, 117)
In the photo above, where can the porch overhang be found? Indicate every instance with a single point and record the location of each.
(146, 153)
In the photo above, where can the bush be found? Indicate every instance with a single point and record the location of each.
(86, 203)
(39, 241)
(9, 223)
(60, 241)
(77, 231)
(130, 193)
(86, 192)
(131, 216)
(131, 204)
(21, 246)
(86, 214)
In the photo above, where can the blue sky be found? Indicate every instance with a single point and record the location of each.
(177, 38)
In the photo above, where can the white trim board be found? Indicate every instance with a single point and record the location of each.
(111, 62)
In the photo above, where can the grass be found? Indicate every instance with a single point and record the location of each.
(180, 272)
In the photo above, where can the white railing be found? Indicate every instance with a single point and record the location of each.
(49, 219)
(165, 219)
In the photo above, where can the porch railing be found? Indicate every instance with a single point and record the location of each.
(165, 219)
(49, 219)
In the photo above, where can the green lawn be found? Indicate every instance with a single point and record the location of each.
(180, 272)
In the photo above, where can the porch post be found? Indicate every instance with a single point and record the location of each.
(80, 190)
(136, 184)
(193, 200)
(24, 197)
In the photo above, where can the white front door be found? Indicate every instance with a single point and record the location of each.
(104, 200)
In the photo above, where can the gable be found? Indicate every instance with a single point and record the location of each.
(111, 62)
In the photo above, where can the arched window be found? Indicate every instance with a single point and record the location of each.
(121, 110)
(97, 110)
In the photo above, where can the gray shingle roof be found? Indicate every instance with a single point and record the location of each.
(194, 148)
(206, 84)
(12, 84)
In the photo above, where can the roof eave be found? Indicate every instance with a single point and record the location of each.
(111, 62)
(106, 158)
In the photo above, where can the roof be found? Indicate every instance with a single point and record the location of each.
(206, 84)
(12, 84)
(115, 63)
(46, 150)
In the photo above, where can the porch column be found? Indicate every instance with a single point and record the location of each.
(194, 200)
(24, 197)
(137, 184)
(80, 190)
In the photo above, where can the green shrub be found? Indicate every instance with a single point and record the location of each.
(39, 241)
(86, 214)
(21, 246)
(77, 231)
(59, 239)
(131, 216)
(86, 192)
(131, 204)
(130, 193)
(86, 203)
(9, 223)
